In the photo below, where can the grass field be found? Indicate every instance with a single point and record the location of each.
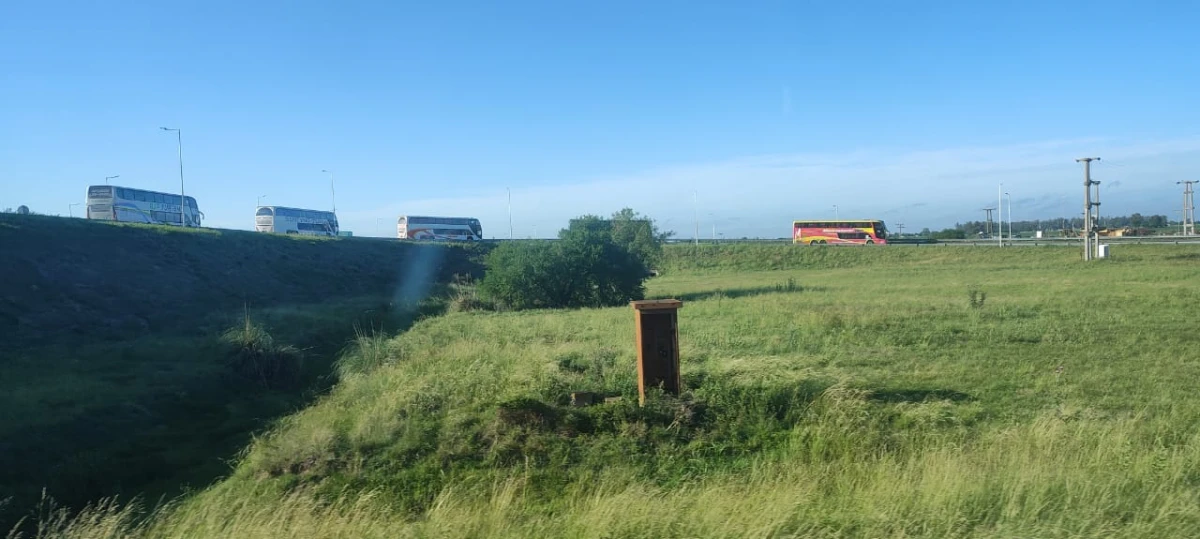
(114, 378)
(886, 392)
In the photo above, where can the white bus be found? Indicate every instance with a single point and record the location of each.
(416, 227)
(281, 220)
(128, 205)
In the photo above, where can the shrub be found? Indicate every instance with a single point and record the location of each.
(464, 296)
(254, 354)
(586, 268)
(639, 235)
(976, 297)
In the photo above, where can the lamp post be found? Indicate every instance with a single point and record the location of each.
(259, 202)
(835, 211)
(183, 213)
(332, 193)
(106, 178)
(71, 208)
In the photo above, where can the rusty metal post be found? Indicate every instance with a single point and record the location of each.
(657, 327)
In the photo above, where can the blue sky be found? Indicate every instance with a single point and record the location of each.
(906, 111)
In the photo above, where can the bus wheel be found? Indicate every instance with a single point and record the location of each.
(812, 242)
(870, 242)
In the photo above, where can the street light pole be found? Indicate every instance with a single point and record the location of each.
(332, 194)
(71, 208)
(183, 213)
(259, 202)
(106, 178)
(835, 211)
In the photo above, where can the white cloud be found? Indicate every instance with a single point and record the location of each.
(760, 195)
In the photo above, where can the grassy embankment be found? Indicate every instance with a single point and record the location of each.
(831, 392)
(114, 376)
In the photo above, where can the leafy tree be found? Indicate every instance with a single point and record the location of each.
(586, 268)
(950, 234)
(638, 234)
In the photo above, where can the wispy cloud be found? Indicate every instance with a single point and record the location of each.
(760, 195)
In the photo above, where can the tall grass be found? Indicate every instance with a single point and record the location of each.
(253, 353)
(863, 400)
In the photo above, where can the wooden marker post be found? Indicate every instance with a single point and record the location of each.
(657, 326)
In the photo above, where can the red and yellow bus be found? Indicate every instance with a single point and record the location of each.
(837, 232)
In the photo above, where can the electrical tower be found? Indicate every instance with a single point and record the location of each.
(988, 223)
(1091, 209)
(1189, 208)
(899, 229)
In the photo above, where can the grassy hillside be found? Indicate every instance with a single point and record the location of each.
(843, 392)
(114, 378)
(72, 280)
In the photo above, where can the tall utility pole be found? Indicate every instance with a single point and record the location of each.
(696, 209)
(332, 194)
(1189, 208)
(106, 178)
(899, 229)
(835, 211)
(988, 222)
(1000, 213)
(1010, 230)
(509, 189)
(183, 207)
(1089, 242)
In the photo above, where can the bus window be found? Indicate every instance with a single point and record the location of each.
(263, 211)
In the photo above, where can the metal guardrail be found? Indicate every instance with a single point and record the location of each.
(1076, 242)
(1033, 242)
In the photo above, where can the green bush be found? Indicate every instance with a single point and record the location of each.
(639, 235)
(950, 234)
(254, 354)
(586, 268)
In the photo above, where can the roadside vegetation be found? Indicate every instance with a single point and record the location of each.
(596, 263)
(139, 360)
(829, 392)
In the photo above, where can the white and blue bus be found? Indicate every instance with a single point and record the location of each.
(416, 227)
(281, 220)
(128, 205)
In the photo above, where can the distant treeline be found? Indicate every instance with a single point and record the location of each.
(1052, 227)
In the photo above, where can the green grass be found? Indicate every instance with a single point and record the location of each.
(829, 393)
(115, 375)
